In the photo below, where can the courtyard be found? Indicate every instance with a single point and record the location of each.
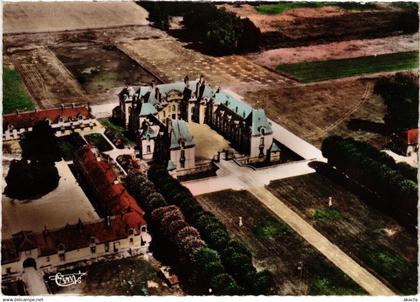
(207, 141)
(51, 210)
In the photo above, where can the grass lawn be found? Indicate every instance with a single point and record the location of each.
(398, 271)
(335, 69)
(281, 7)
(69, 144)
(297, 267)
(15, 96)
(328, 213)
(99, 141)
(374, 240)
(117, 130)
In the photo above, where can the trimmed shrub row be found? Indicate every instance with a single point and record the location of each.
(192, 252)
(235, 256)
(398, 193)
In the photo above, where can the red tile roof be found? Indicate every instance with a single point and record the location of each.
(30, 118)
(73, 237)
(410, 136)
(114, 196)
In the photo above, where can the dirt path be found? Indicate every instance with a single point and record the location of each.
(360, 275)
(34, 282)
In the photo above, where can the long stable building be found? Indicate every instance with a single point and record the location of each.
(123, 232)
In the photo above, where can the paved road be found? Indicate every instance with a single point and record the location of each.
(34, 282)
(230, 173)
(254, 181)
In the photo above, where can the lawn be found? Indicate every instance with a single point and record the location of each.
(374, 240)
(116, 131)
(298, 268)
(393, 267)
(334, 69)
(15, 96)
(99, 141)
(281, 7)
(69, 144)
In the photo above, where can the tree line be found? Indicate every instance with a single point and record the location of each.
(219, 31)
(401, 97)
(378, 172)
(234, 255)
(188, 250)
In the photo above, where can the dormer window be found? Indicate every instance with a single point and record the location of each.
(61, 119)
(92, 240)
(132, 232)
(263, 131)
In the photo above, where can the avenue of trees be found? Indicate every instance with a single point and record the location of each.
(220, 32)
(188, 250)
(35, 174)
(401, 96)
(234, 255)
(394, 183)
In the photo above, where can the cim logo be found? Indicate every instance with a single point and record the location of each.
(68, 279)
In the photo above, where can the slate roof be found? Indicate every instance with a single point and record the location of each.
(147, 109)
(274, 147)
(179, 132)
(259, 122)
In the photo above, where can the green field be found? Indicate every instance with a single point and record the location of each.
(15, 96)
(335, 69)
(281, 7)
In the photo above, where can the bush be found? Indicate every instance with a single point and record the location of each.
(30, 180)
(41, 144)
(224, 285)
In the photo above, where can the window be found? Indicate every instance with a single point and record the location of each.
(9, 270)
(262, 131)
(61, 247)
(173, 108)
(62, 257)
(92, 240)
(131, 240)
(93, 249)
(143, 229)
(106, 247)
(262, 141)
(148, 149)
(47, 259)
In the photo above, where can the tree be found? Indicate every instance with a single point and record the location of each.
(263, 282)
(154, 200)
(158, 213)
(41, 144)
(30, 180)
(208, 262)
(225, 285)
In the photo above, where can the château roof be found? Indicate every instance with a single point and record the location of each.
(180, 132)
(259, 122)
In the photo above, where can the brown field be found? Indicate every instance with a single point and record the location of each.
(171, 60)
(336, 50)
(306, 26)
(356, 225)
(275, 246)
(315, 111)
(46, 78)
(25, 17)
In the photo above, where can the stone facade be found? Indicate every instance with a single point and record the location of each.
(151, 111)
